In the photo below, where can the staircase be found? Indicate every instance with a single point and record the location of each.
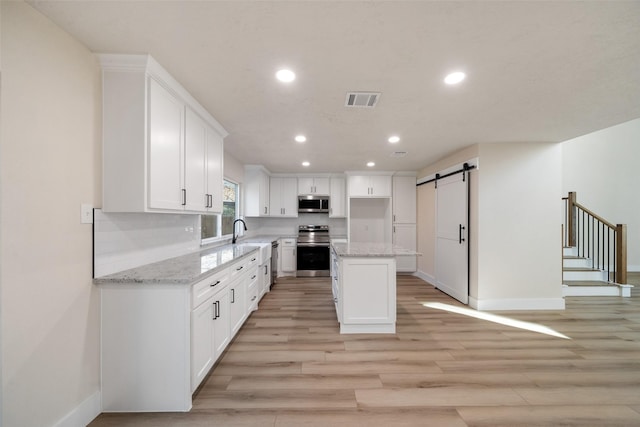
(594, 254)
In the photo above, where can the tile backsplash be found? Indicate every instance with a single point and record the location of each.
(128, 240)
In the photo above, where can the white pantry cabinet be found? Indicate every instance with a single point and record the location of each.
(337, 198)
(256, 191)
(404, 199)
(405, 236)
(369, 185)
(162, 151)
(283, 197)
(313, 185)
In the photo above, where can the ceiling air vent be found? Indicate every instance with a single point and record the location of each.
(362, 99)
(398, 154)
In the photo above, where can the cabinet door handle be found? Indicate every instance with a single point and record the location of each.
(460, 232)
(233, 296)
(184, 197)
(216, 310)
(214, 284)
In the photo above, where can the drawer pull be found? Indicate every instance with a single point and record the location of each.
(240, 268)
(254, 298)
(253, 259)
(214, 284)
(254, 276)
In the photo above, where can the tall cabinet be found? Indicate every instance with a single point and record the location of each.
(162, 151)
(404, 220)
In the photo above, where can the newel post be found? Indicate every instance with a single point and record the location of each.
(571, 218)
(621, 254)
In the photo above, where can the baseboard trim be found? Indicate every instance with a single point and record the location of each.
(425, 276)
(84, 413)
(517, 304)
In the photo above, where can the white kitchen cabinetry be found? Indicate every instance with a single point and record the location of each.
(404, 236)
(369, 185)
(283, 199)
(152, 162)
(209, 327)
(159, 340)
(256, 191)
(404, 199)
(404, 220)
(203, 165)
(337, 198)
(237, 304)
(364, 292)
(314, 185)
(288, 260)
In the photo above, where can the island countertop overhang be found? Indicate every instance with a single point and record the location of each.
(361, 249)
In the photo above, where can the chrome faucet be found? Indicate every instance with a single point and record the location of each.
(234, 237)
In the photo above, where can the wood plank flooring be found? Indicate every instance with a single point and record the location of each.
(289, 366)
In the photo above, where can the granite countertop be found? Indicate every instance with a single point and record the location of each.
(370, 250)
(185, 269)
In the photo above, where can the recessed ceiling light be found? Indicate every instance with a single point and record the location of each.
(394, 139)
(371, 164)
(305, 164)
(455, 78)
(285, 75)
(301, 138)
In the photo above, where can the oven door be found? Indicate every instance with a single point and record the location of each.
(313, 259)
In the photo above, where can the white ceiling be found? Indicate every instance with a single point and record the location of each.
(536, 71)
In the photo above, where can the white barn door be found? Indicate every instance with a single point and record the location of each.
(451, 237)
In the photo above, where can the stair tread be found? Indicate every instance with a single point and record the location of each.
(588, 283)
(573, 257)
(579, 269)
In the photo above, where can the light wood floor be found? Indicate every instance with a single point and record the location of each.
(289, 366)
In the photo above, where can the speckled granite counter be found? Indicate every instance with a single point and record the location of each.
(185, 269)
(370, 250)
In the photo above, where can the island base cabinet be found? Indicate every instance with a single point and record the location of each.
(145, 348)
(366, 295)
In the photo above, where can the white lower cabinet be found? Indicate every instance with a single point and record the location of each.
(364, 292)
(159, 341)
(404, 236)
(237, 304)
(209, 334)
(288, 261)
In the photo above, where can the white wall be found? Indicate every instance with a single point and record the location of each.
(519, 233)
(602, 168)
(515, 209)
(50, 164)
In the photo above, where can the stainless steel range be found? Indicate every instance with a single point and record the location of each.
(313, 251)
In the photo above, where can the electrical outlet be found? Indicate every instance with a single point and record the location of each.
(86, 213)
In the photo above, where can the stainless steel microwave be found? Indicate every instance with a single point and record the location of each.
(313, 204)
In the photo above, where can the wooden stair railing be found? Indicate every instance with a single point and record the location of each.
(596, 238)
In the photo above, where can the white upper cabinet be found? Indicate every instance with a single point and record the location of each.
(166, 147)
(162, 151)
(313, 185)
(256, 191)
(337, 198)
(203, 165)
(369, 185)
(283, 197)
(404, 199)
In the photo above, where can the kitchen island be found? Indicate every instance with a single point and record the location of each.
(363, 279)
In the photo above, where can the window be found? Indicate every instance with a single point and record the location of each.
(221, 226)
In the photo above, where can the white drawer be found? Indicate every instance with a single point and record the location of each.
(288, 242)
(202, 290)
(253, 290)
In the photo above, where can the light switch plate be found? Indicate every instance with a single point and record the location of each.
(86, 213)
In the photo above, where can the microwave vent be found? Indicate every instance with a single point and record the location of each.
(362, 99)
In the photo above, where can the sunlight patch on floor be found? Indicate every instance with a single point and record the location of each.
(534, 327)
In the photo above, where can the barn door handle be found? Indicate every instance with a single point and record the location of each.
(460, 238)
